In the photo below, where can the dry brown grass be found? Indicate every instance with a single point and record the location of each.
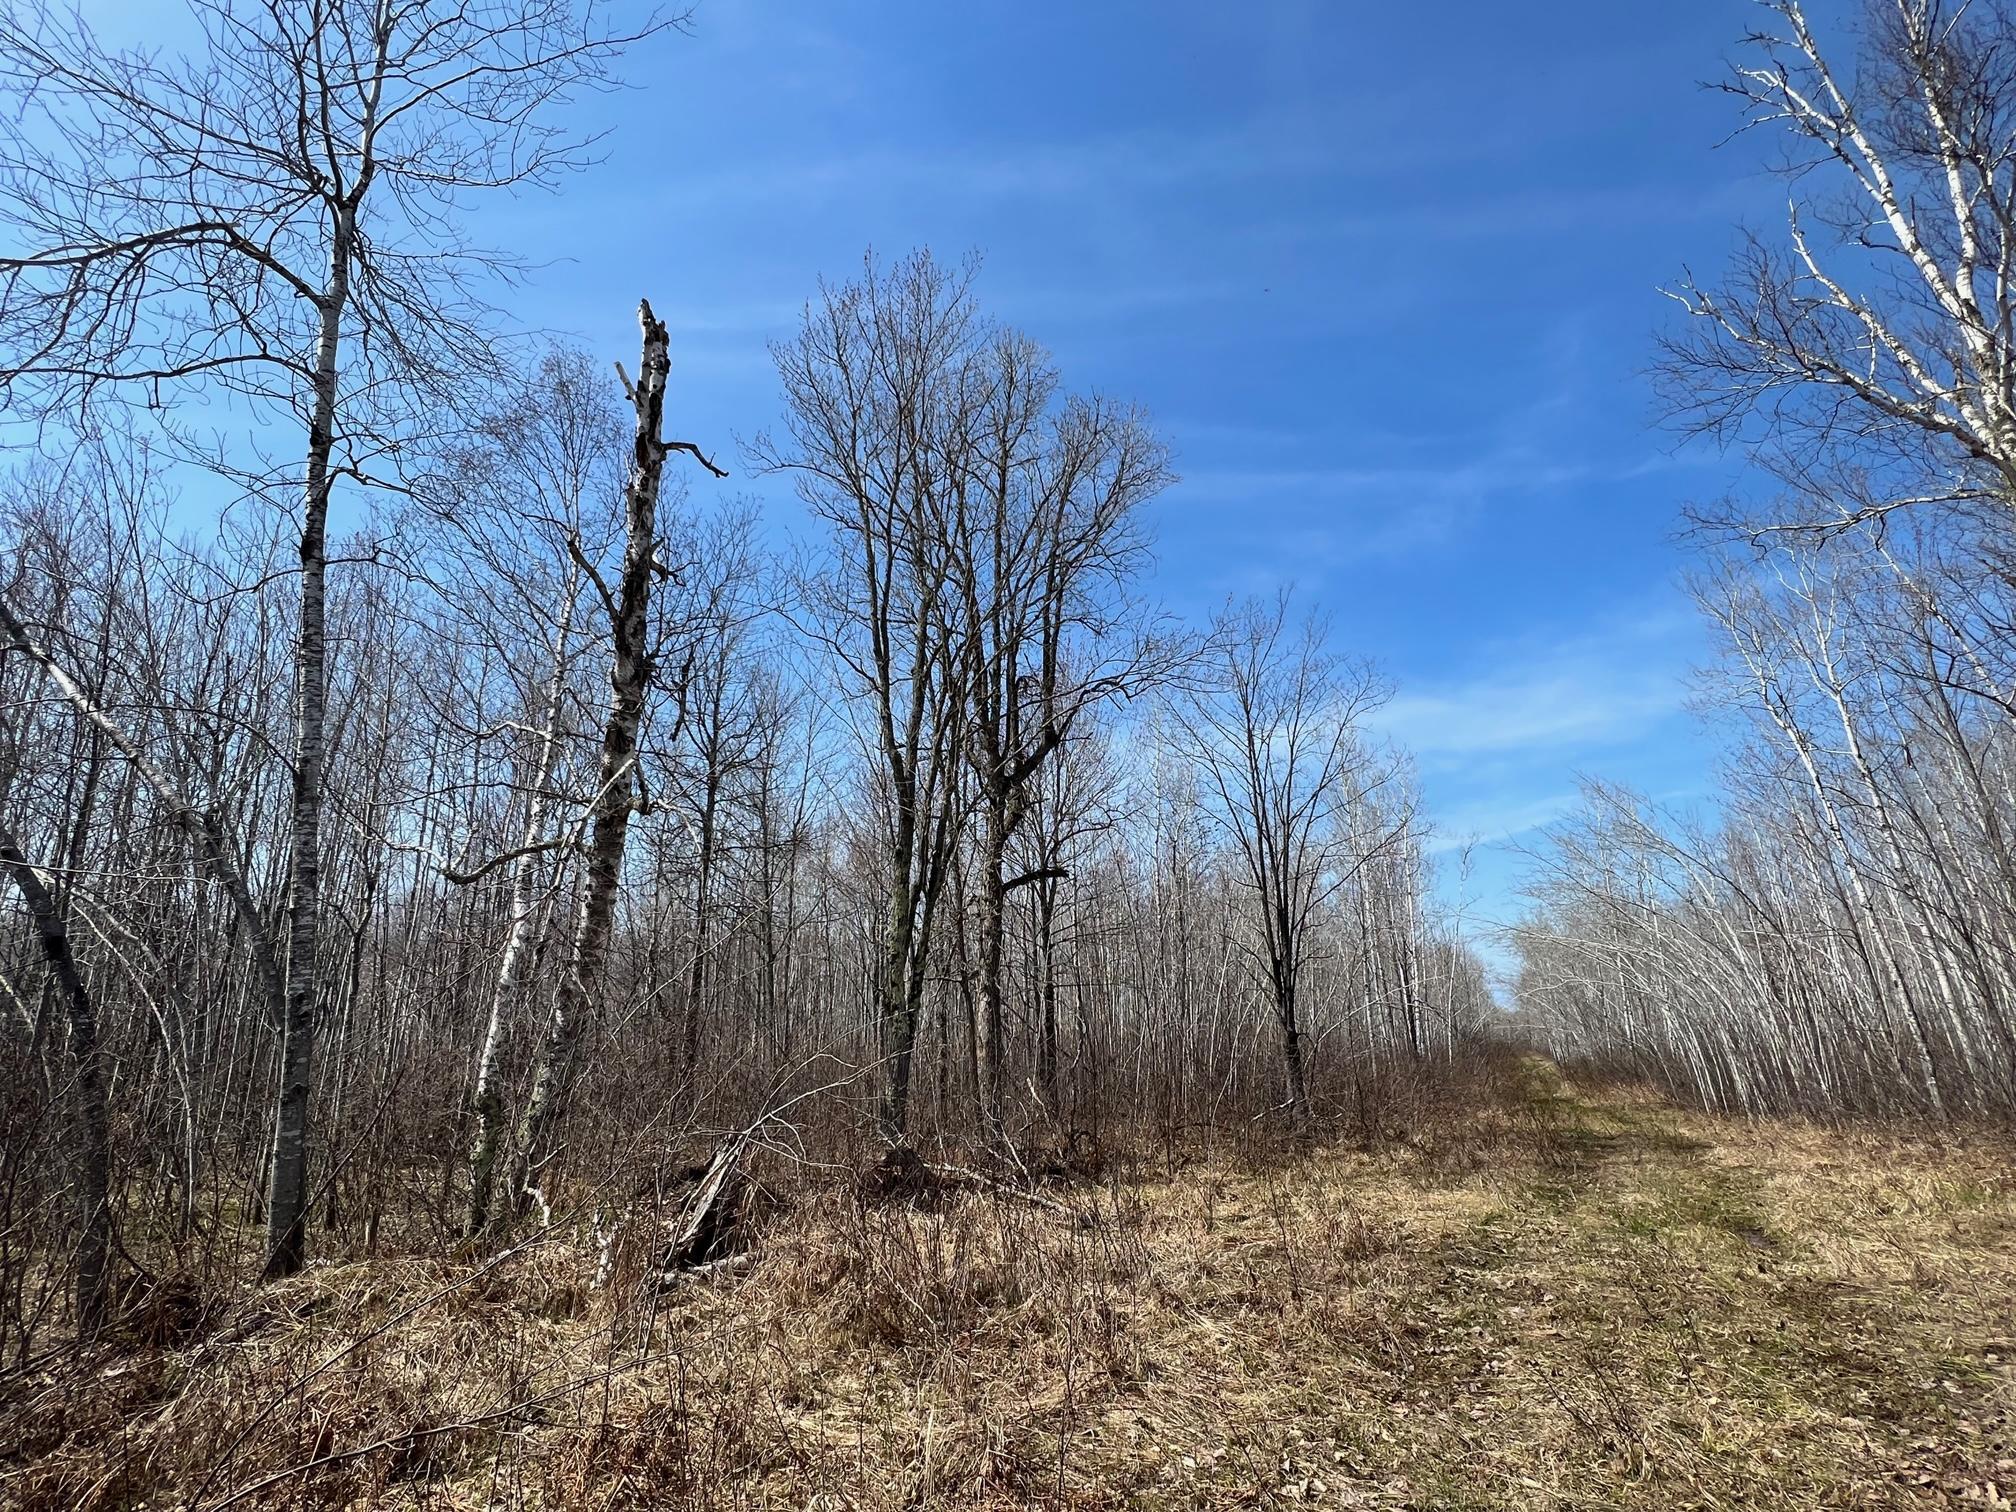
(1553, 1301)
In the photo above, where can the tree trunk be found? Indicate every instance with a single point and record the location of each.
(90, 1117)
(1046, 958)
(487, 1101)
(286, 1235)
(897, 1014)
(990, 1032)
(1291, 1045)
(703, 915)
(629, 677)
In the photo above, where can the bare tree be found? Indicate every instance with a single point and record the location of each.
(724, 724)
(632, 667)
(1072, 806)
(1839, 940)
(1867, 355)
(199, 826)
(874, 384)
(88, 1075)
(1278, 735)
(275, 216)
(1042, 537)
(523, 511)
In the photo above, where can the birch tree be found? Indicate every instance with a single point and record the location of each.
(1840, 941)
(632, 668)
(1865, 356)
(524, 511)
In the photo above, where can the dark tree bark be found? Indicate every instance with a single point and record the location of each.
(90, 1118)
(630, 673)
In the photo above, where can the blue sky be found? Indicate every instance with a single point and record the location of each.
(1386, 275)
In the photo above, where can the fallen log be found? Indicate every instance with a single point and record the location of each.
(966, 1176)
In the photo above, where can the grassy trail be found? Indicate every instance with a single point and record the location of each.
(1558, 1298)
(1676, 1310)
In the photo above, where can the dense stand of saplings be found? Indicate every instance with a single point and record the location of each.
(446, 876)
(1842, 936)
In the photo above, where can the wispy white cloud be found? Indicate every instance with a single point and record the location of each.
(1502, 741)
(1495, 820)
(1496, 472)
(1385, 511)
(1585, 708)
(1256, 150)
(1535, 211)
(1583, 694)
